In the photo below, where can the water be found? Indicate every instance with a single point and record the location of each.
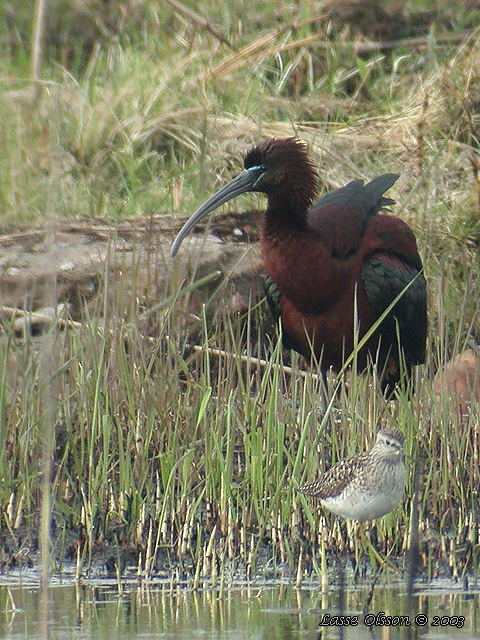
(265, 611)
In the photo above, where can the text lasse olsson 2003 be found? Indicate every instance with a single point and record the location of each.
(381, 619)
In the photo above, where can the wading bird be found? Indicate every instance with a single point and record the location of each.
(367, 486)
(334, 265)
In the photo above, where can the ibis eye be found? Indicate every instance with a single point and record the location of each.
(258, 167)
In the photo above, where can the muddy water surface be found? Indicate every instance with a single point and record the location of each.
(264, 611)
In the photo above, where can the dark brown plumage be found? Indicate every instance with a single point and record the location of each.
(334, 262)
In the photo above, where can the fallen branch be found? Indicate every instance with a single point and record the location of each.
(14, 312)
(221, 353)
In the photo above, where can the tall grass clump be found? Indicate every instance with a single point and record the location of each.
(167, 457)
(174, 450)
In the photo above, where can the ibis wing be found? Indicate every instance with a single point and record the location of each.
(385, 276)
(368, 198)
(274, 299)
(340, 217)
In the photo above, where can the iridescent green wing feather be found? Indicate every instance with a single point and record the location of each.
(386, 276)
(274, 299)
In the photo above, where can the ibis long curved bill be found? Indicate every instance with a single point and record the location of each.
(243, 183)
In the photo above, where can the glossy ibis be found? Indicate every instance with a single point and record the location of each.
(335, 265)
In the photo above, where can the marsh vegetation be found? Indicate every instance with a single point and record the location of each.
(142, 450)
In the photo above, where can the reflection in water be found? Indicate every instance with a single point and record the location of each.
(265, 612)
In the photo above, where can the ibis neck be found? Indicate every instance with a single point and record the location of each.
(285, 215)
